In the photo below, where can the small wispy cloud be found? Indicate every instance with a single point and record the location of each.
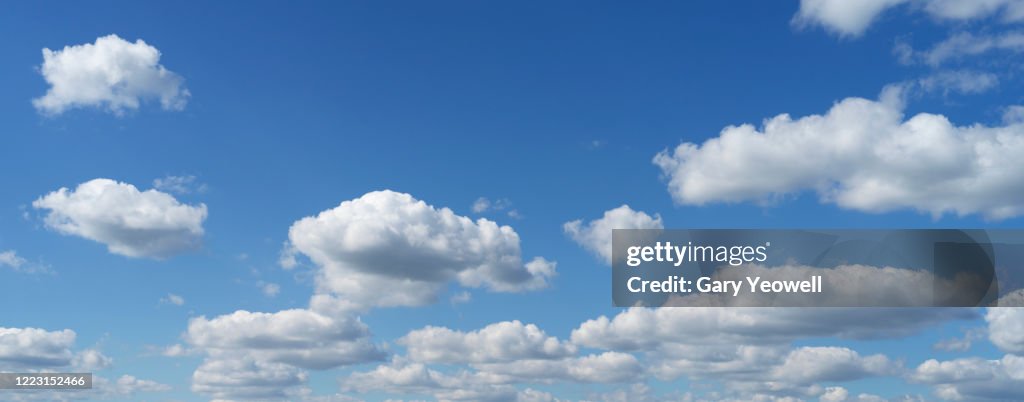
(12, 260)
(461, 297)
(270, 289)
(174, 299)
(484, 204)
(960, 344)
(179, 184)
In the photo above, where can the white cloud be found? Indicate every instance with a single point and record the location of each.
(808, 365)
(246, 379)
(501, 355)
(31, 349)
(834, 394)
(271, 289)
(461, 297)
(1013, 114)
(861, 155)
(959, 81)
(961, 344)
(1013, 298)
(852, 18)
(499, 342)
(749, 351)
(607, 367)
(634, 393)
(111, 73)
(129, 222)
(415, 378)
(12, 260)
(483, 204)
(973, 378)
(669, 361)
(174, 299)
(960, 46)
(264, 356)
(1006, 328)
(389, 249)
(35, 348)
(296, 337)
(532, 395)
(128, 385)
(1007, 10)
(846, 18)
(178, 184)
(288, 259)
(840, 394)
(596, 235)
(176, 350)
(90, 360)
(766, 369)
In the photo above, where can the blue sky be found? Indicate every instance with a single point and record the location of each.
(552, 112)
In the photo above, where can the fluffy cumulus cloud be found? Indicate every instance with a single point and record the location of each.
(390, 249)
(808, 365)
(31, 348)
(129, 222)
(111, 73)
(265, 356)
(493, 382)
(403, 377)
(297, 337)
(1006, 328)
(498, 342)
(862, 155)
(607, 367)
(91, 360)
(596, 235)
(842, 17)
(35, 349)
(978, 379)
(974, 379)
(245, 379)
(852, 18)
